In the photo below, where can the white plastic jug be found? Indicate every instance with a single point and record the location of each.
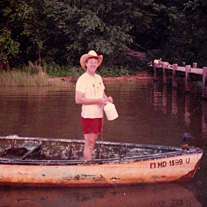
(110, 111)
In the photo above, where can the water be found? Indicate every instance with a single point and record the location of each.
(149, 113)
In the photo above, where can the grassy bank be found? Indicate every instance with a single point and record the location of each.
(26, 76)
(25, 79)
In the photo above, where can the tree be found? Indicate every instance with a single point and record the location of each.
(60, 30)
(195, 12)
(9, 46)
(35, 29)
(105, 26)
(179, 30)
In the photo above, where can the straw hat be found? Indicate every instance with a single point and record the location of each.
(90, 54)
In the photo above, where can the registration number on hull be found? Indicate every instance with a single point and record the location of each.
(171, 163)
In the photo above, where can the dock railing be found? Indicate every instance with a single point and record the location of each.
(187, 70)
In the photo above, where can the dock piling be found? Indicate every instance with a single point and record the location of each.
(186, 70)
(164, 72)
(174, 78)
(195, 65)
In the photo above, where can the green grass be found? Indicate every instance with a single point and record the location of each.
(25, 79)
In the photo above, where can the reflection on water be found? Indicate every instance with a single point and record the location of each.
(174, 103)
(204, 119)
(187, 110)
(163, 195)
(161, 100)
(45, 112)
(149, 113)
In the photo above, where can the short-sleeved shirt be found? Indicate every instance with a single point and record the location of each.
(93, 88)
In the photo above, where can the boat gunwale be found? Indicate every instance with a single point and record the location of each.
(91, 162)
(177, 152)
(82, 142)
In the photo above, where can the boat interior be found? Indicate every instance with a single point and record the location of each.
(21, 149)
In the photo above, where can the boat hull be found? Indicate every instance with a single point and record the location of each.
(157, 170)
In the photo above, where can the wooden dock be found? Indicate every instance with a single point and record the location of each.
(187, 71)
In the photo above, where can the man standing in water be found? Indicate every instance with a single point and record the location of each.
(90, 93)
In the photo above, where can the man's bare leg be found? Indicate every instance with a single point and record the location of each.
(90, 140)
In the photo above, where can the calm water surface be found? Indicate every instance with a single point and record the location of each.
(149, 113)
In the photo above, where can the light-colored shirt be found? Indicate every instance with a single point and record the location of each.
(93, 88)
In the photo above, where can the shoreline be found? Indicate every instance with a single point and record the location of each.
(142, 75)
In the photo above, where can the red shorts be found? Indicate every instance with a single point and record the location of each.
(91, 125)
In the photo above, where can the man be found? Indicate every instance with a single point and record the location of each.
(90, 93)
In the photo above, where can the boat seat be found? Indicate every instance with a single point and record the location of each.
(31, 147)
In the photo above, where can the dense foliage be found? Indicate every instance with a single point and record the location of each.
(58, 32)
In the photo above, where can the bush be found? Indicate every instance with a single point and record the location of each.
(75, 72)
(112, 72)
